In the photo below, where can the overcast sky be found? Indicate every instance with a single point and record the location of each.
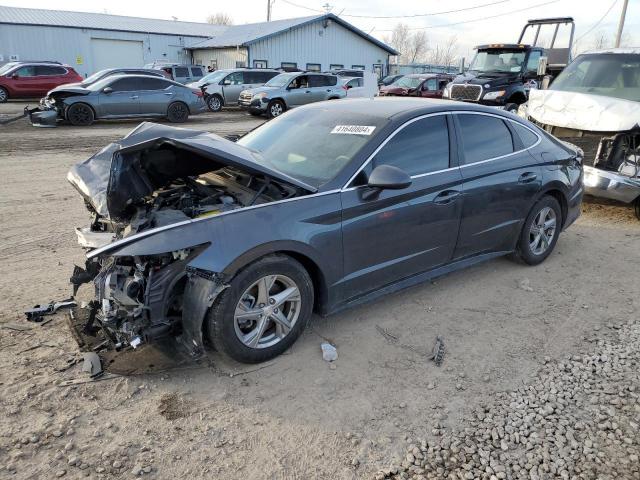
(504, 27)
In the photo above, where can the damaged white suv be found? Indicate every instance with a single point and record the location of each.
(595, 104)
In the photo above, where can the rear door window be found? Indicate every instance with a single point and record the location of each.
(153, 84)
(483, 137)
(197, 72)
(49, 70)
(318, 81)
(181, 72)
(527, 136)
(126, 85)
(420, 147)
(431, 85)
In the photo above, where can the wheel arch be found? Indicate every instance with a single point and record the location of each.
(69, 105)
(559, 194)
(517, 96)
(296, 250)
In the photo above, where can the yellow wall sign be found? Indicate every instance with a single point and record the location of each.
(78, 60)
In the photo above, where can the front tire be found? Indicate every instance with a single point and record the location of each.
(214, 103)
(177, 112)
(511, 107)
(80, 115)
(4, 95)
(264, 310)
(540, 231)
(275, 108)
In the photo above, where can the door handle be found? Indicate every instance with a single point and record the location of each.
(527, 177)
(446, 196)
(308, 91)
(169, 93)
(133, 97)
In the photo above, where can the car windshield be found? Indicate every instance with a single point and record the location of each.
(310, 147)
(213, 77)
(610, 75)
(500, 61)
(407, 82)
(7, 66)
(280, 80)
(95, 77)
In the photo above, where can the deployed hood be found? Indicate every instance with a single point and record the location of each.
(582, 111)
(75, 88)
(152, 155)
(493, 79)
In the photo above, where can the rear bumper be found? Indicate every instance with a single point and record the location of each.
(611, 185)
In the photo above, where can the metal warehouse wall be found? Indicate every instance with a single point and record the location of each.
(70, 45)
(315, 44)
(221, 57)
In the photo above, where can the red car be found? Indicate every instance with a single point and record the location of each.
(429, 85)
(33, 79)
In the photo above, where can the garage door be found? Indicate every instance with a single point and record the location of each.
(107, 53)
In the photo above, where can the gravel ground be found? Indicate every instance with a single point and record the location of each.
(507, 328)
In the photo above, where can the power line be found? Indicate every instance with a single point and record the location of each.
(429, 14)
(480, 19)
(598, 22)
(444, 12)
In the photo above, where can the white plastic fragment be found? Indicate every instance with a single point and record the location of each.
(329, 352)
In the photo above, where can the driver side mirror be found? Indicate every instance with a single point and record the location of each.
(107, 90)
(388, 177)
(15, 76)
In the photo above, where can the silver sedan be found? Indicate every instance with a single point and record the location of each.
(124, 96)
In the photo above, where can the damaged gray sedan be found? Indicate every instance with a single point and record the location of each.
(234, 244)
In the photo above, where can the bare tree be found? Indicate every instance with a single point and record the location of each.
(444, 53)
(220, 18)
(411, 45)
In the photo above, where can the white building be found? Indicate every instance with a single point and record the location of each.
(92, 41)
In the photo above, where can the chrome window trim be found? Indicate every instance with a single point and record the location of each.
(382, 145)
(153, 231)
(486, 114)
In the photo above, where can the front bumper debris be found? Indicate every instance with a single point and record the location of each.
(44, 118)
(611, 185)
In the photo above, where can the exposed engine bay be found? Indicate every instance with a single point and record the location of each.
(138, 189)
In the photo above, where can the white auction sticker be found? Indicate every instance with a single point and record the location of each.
(353, 129)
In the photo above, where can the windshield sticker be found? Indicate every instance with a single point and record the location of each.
(353, 129)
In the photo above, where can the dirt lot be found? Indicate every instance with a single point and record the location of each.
(297, 416)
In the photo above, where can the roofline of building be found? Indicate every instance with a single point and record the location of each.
(328, 16)
(145, 32)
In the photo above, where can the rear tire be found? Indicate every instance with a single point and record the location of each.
(4, 95)
(214, 103)
(178, 112)
(636, 207)
(275, 108)
(80, 115)
(540, 231)
(234, 321)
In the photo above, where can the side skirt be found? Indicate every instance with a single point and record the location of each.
(416, 280)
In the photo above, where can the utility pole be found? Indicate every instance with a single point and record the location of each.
(327, 7)
(621, 24)
(269, 5)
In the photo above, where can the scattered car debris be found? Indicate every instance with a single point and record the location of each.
(329, 352)
(91, 364)
(438, 351)
(36, 313)
(27, 112)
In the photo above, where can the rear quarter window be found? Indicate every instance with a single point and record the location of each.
(527, 137)
(483, 137)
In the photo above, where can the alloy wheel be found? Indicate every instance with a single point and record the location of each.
(542, 231)
(267, 311)
(214, 103)
(276, 109)
(3, 95)
(80, 115)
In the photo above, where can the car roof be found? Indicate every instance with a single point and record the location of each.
(118, 77)
(392, 107)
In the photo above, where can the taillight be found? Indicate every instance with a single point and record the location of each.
(344, 87)
(197, 93)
